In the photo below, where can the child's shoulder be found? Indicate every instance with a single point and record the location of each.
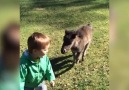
(24, 57)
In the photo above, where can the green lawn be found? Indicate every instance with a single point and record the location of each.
(52, 17)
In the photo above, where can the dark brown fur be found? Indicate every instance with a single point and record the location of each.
(78, 41)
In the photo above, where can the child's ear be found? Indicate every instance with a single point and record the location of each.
(34, 51)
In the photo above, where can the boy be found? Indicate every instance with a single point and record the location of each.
(35, 66)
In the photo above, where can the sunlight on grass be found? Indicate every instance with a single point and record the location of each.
(52, 18)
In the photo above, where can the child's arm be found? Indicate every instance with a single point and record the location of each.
(49, 73)
(23, 73)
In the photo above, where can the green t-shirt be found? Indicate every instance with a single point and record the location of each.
(33, 73)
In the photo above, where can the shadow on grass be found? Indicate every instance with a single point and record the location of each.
(58, 16)
(65, 3)
(53, 3)
(61, 65)
(26, 6)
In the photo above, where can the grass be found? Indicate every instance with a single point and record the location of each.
(52, 17)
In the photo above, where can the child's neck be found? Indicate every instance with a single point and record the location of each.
(35, 58)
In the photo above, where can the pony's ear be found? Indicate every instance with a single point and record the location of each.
(83, 27)
(75, 32)
(66, 31)
(88, 24)
(74, 35)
